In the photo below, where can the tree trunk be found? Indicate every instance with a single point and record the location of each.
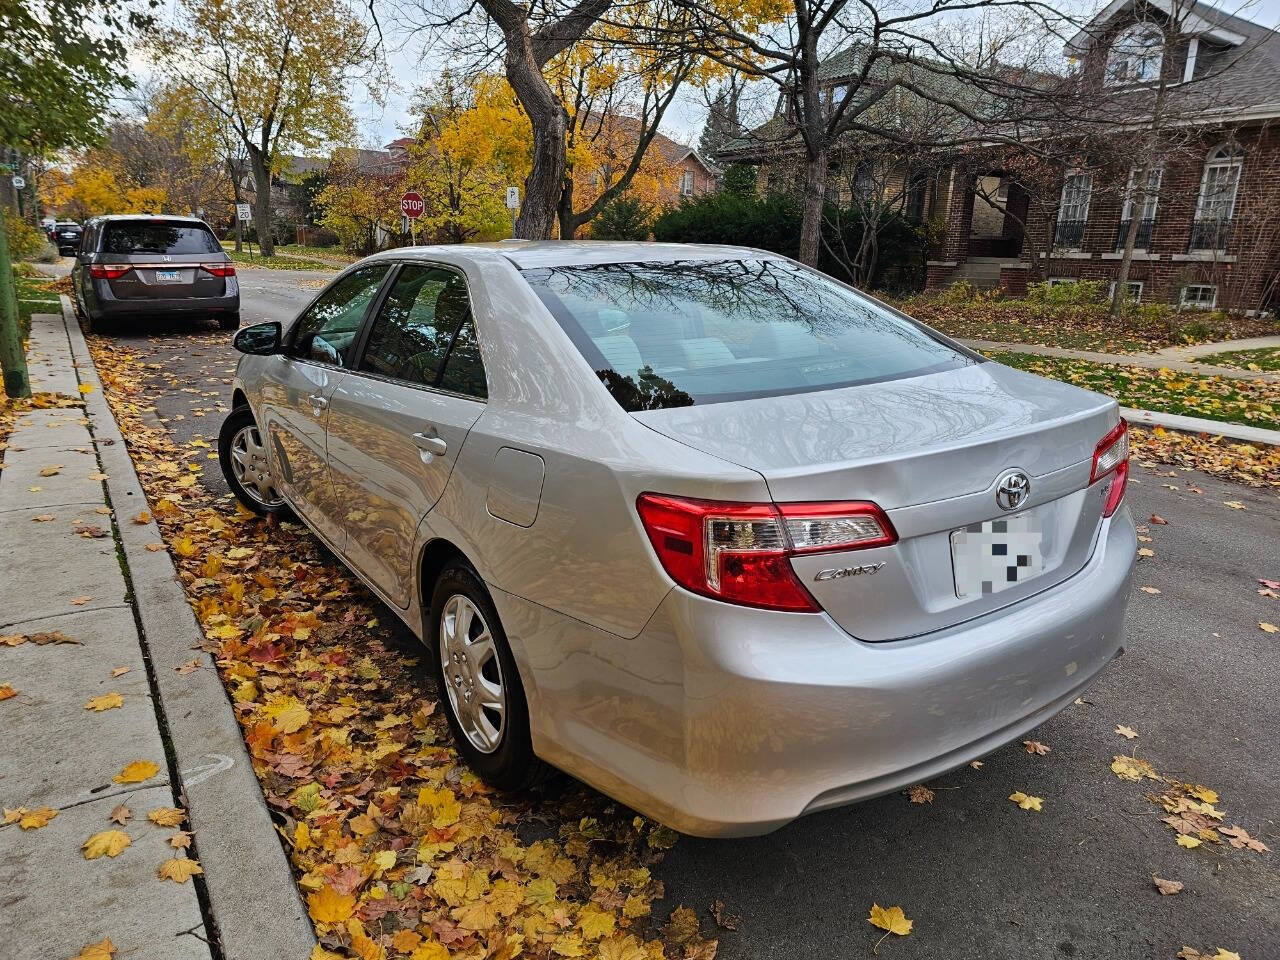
(550, 123)
(815, 186)
(262, 201)
(568, 222)
(1136, 205)
(13, 360)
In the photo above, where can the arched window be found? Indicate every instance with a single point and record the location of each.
(1217, 202)
(1136, 54)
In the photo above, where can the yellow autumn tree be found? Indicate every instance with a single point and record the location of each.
(473, 142)
(361, 202)
(92, 188)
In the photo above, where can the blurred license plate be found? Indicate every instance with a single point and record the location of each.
(168, 276)
(995, 555)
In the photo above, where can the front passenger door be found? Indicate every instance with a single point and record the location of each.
(398, 420)
(295, 404)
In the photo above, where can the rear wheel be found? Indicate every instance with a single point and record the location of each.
(229, 321)
(479, 685)
(243, 457)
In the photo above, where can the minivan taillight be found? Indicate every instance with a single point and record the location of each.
(109, 271)
(1111, 456)
(740, 552)
(219, 269)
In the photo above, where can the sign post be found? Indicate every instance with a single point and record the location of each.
(513, 204)
(243, 216)
(412, 206)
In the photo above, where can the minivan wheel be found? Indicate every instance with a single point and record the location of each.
(479, 685)
(243, 458)
(229, 321)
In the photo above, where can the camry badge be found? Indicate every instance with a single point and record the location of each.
(838, 573)
(1012, 489)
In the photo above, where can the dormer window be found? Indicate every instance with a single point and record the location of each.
(1136, 55)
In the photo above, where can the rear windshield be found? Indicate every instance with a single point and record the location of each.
(675, 334)
(156, 236)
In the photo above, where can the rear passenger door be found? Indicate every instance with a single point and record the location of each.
(398, 420)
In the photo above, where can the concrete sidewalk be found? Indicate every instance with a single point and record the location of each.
(57, 753)
(89, 573)
(1165, 359)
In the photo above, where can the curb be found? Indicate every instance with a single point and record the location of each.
(257, 910)
(1215, 428)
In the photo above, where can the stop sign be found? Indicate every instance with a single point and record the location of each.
(411, 205)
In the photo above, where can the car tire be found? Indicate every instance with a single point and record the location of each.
(509, 763)
(229, 321)
(242, 452)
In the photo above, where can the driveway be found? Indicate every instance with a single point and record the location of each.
(980, 877)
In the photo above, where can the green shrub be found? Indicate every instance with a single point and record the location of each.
(740, 178)
(1078, 293)
(623, 218)
(25, 241)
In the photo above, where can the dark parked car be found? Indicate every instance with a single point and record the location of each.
(65, 235)
(136, 266)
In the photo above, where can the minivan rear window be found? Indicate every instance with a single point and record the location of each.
(691, 332)
(157, 236)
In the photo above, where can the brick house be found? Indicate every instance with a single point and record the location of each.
(692, 175)
(1209, 213)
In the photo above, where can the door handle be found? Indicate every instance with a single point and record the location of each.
(430, 444)
(318, 403)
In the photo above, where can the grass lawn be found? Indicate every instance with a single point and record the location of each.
(1267, 359)
(35, 295)
(1254, 402)
(1079, 327)
(277, 262)
(328, 253)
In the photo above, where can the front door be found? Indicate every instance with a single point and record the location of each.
(295, 401)
(397, 422)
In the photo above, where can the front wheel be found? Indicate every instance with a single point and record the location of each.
(243, 458)
(479, 684)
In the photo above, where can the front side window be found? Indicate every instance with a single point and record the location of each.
(423, 333)
(690, 332)
(326, 332)
(1136, 55)
(156, 236)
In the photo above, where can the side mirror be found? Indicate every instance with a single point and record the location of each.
(262, 339)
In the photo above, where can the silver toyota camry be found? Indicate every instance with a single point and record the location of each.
(704, 528)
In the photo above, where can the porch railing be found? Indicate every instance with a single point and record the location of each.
(1143, 241)
(1210, 234)
(1068, 234)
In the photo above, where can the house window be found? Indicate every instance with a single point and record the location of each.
(686, 183)
(1145, 198)
(1073, 211)
(1134, 288)
(1217, 202)
(1200, 296)
(1136, 55)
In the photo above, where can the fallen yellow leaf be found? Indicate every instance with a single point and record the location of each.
(1026, 801)
(1127, 732)
(86, 389)
(30, 819)
(1189, 842)
(136, 772)
(7, 691)
(326, 905)
(1131, 768)
(1269, 627)
(102, 950)
(287, 715)
(110, 843)
(179, 869)
(51, 470)
(107, 701)
(167, 816)
(890, 920)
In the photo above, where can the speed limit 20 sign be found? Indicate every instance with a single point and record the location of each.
(411, 205)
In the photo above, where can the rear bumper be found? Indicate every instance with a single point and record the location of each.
(725, 721)
(147, 306)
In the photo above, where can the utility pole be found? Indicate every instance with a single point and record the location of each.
(13, 360)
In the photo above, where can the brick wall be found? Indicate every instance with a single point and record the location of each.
(1240, 273)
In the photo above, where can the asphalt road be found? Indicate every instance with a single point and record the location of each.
(979, 877)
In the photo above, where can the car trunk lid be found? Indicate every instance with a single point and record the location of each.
(928, 450)
(165, 277)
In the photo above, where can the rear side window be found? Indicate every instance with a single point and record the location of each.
(676, 334)
(157, 236)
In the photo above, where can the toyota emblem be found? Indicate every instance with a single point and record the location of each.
(1012, 490)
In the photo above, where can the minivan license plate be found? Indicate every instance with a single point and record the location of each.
(995, 555)
(168, 276)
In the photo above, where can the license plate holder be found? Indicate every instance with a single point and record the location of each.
(994, 555)
(168, 276)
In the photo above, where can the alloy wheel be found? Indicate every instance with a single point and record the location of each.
(249, 463)
(472, 673)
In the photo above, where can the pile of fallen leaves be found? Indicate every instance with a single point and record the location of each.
(400, 850)
(1255, 465)
(1086, 327)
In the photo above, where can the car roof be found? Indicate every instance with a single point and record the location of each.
(113, 217)
(530, 254)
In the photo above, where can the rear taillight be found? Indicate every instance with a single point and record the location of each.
(1111, 456)
(109, 271)
(740, 552)
(219, 269)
